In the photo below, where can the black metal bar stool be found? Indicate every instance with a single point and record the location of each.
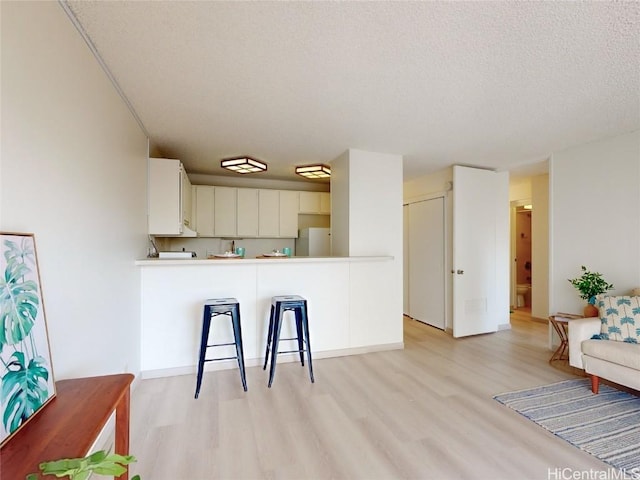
(298, 306)
(213, 308)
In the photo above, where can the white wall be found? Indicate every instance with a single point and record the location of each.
(74, 174)
(595, 216)
(520, 189)
(436, 182)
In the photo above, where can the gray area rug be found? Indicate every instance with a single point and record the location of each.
(606, 425)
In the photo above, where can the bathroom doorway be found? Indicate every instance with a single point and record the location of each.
(521, 248)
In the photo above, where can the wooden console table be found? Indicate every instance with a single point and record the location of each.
(69, 425)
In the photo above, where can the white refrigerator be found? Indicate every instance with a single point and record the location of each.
(313, 242)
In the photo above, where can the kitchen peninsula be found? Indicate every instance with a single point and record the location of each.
(348, 312)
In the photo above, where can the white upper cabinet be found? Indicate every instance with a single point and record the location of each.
(176, 207)
(315, 202)
(251, 212)
(186, 199)
(325, 203)
(225, 211)
(269, 213)
(289, 213)
(203, 209)
(167, 198)
(247, 212)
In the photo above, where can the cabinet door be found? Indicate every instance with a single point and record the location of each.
(224, 211)
(164, 197)
(269, 213)
(247, 220)
(204, 210)
(309, 202)
(289, 214)
(325, 203)
(186, 198)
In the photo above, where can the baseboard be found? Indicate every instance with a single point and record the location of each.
(539, 320)
(255, 362)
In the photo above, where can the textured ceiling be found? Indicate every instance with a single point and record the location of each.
(493, 84)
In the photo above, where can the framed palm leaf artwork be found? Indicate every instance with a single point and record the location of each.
(26, 372)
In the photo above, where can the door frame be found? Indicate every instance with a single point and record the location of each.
(513, 272)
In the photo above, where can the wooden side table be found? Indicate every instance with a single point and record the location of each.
(560, 323)
(69, 424)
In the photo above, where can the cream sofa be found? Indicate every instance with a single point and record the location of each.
(616, 361)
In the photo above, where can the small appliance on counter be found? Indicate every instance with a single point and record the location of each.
(175, 255)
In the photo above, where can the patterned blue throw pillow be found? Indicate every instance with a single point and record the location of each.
(619, 318)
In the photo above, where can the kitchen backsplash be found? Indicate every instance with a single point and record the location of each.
(253, 246)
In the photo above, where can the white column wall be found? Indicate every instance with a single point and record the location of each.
(375, 203)
(340, 206)
(366, 216)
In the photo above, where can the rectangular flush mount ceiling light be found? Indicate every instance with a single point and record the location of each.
(243, 165)
(314, 171)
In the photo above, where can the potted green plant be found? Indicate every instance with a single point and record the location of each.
(590, 284)
(100, 462)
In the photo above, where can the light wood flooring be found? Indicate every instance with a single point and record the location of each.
(425, 412)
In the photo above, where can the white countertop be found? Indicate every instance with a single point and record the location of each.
(245, 261)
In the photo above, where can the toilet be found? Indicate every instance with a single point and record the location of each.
(521, 292)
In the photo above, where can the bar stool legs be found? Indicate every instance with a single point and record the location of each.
(279, 305)
(269, 337)
(213, 308)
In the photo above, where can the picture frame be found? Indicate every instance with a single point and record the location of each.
(26, 370)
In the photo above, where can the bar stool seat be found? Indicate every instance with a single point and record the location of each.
(279, 305)
(213, 308)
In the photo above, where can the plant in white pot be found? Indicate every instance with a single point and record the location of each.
(590, 284)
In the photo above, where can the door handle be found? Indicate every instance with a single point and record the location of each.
(460, 272)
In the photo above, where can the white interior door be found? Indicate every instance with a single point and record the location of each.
(427, 262)
(480, 250)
